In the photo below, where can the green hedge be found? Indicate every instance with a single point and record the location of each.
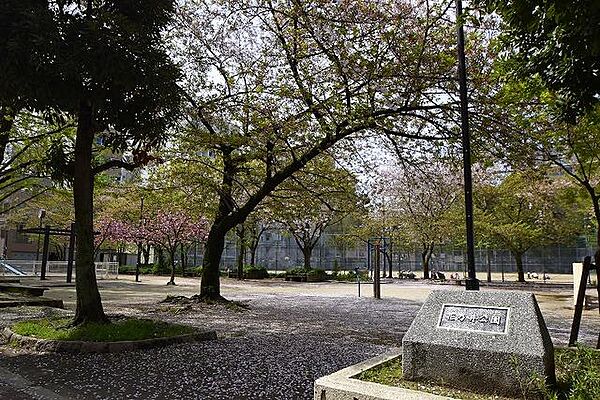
(155, 269)
(312, 274)
(255, 272)
(351, 276)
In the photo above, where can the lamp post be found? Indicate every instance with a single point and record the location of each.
(139, 243)
(41, 215)
(471, 282)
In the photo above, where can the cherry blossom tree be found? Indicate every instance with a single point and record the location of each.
(113, 231)
(170, 230)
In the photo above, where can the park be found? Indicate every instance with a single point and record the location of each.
(299, 199)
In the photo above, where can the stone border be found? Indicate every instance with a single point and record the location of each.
(342, 386)
(77, 346)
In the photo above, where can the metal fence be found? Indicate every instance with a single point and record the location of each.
(556, 260)
(104, 269)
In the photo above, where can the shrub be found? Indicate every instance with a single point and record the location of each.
(578, 373)
(130, 269)
(255, 272)
(317, 275)
(351, 276)
(161, 269)
(126, 269)
(312, 274)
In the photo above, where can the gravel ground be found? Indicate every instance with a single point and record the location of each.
(273, 349)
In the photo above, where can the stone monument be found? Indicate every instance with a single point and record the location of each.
(494, 342)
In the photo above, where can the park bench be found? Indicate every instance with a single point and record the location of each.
(22, 289)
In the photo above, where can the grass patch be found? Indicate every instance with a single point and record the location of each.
(120, 330)
(577, 376)
(390, 373)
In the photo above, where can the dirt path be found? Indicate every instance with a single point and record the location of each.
(291, 334)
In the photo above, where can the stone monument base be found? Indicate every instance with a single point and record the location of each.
(493, 342)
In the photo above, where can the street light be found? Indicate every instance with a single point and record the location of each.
(471, 282)
(41, 215)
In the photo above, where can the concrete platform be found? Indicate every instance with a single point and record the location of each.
(342, 386)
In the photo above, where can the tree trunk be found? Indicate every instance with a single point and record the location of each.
(138, 261)
(183, 256)
(253, 256)
(519, 261)
(6, 123)
(241, 233)
(210, 286)
(596, 204)
(254, 246)
(425, 257)
(307, 253)
(388, 256)
(172, 256)
(146, 253)
(89, 305)
(161, 259)
(122, 255)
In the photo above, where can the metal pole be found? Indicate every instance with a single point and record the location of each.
(41, 214)
(45, 252)
(585, 272)
(139, 243)
(471, 283)
(71, 253)
(376, 272)
(357, 270)
(369, 256)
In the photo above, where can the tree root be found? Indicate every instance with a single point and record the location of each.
(198, 299)
(81, 320)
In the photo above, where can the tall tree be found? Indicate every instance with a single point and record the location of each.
(170, 230)
(558, 41)
(315, 198)
(290, 79)
(528, 209)
(29, 118)
(420, 200)
(110, 71)
(256, 224)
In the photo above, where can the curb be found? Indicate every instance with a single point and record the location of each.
(341, 385)
(77, 346)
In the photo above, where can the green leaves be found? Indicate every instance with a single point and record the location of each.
(526, 210)
(560, 43)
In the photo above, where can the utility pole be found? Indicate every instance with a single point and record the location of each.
(139, 243)
(41, 215)
(376, 271)
(471, 282)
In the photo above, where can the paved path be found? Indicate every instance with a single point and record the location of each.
(291, 334)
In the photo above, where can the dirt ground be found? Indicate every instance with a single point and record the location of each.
(288, 335)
